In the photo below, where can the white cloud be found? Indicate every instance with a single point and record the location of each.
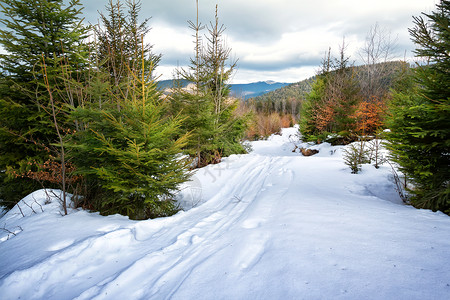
(175, 43)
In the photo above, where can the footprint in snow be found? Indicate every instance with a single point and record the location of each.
(252, 223)
(60, 245)
(251, 252)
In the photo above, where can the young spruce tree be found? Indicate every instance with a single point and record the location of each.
(420, 115)
(119, 42)
(128, 147)
(35, 33)
(215, 129)
(129, 157)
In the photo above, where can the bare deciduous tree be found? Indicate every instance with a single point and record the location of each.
(378, 49)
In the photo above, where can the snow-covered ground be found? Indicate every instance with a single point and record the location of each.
(272, 224)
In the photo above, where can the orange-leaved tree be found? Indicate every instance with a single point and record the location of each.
(369, 115)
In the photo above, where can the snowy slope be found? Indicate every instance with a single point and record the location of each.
(268, 225)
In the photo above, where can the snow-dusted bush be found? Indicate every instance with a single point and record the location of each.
(355, 155)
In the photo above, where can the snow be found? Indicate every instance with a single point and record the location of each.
(271, 224)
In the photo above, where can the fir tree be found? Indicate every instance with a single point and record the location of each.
(420, 114)
(330, 104)
(128, 147)
(36, 33)
(120, 42)
(196, 104)
(308, 117)
(129, 157)
(210, 116)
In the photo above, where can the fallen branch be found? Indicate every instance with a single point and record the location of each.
(11, 233)
(400, 187)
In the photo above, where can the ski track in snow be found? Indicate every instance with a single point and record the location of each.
(189, 247)
(268, 230)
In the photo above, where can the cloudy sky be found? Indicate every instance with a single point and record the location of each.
(281, 40)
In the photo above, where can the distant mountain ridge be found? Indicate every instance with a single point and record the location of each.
(251, 90)
(241, 90)
(296, 90)
(168, 83)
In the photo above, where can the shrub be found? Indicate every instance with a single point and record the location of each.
(355, 155)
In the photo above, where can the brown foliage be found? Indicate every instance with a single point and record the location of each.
(324, 116)
(308, 152)
(369, 115)
(287, 121)
(264, 125)
(49, 171)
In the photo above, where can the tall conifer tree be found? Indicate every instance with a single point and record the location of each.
(420, 114)
(120, 43)
(216, 129)
(36, 33)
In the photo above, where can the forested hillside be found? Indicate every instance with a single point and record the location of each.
(279, 99)
(283, 100)
(282, 107)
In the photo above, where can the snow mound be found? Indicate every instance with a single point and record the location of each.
(38, 202)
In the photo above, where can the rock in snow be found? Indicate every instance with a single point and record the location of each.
(271, 224)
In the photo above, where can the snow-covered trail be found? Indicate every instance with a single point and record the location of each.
(269, 225)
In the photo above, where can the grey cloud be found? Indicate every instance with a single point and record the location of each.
(291, 61)
(257, 21)
(262, 23)
(174, 58)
